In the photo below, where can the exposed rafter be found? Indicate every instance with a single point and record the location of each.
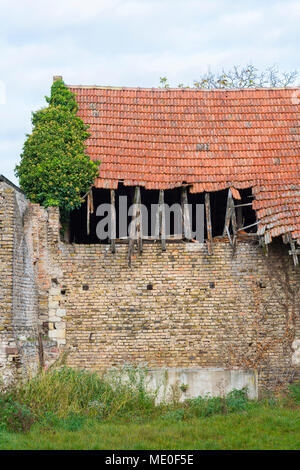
(135, 228)
(293, 251)
(113, 220)
(186, 223)
(208, 224)
(230, 217)
(160, 231)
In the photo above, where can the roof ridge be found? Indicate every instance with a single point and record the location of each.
(183, 89)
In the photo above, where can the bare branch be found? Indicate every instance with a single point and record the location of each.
(242, 77)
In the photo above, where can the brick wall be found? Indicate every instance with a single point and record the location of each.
(6, 279)
(19, 312)
(25, 289)
(179, 308)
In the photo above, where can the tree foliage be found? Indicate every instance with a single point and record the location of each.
(54, 169)
(241, 77)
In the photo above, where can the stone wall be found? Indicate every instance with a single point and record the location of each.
(7, 343)
(178, 309)
(25, 291)
(20, 313)
(18, 292)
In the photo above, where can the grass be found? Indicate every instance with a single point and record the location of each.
(74, 410)
(261, 428)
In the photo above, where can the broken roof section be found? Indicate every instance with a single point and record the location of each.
(209, 139)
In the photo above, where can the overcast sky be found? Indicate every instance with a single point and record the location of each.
(130, 43)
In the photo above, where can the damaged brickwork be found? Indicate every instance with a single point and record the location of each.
(21, 314)
(19, 292)
(8, 349)
(178, 308)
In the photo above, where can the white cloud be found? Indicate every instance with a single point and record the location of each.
(289, 10)
(245, 19)
(40, 14)
(56, 14)
(9, 151)
(130, 43)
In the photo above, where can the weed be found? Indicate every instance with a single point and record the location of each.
(237, 400)
(174, 415)
(64, 399)
(14, 416)
(294, 392)
(184, 387)
(73, 422)
(65, 391)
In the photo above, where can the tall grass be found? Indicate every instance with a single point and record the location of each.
(66, 391)
(67, 397)
(294, 392)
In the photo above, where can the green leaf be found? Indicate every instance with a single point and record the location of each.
(54, 168)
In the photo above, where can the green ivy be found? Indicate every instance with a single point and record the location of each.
(54, 168)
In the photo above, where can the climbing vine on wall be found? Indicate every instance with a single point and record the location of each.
(264, 336)
(54, 168)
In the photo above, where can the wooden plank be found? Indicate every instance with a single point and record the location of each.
(248, 226)
(295, 259)
(132, 231)
(88, 213)
(231, 217)
(90, 209)
(157, 220)
(186, 223)
(92, 202)
(228, 213)
(208, 224)
(264, 246)
(113, 220)
(41, 349)
(140, 222)
(162, 219)
(267, 237)
(293, 251)
(250, 234)
(243, 205)
(229, 236)
(239, 217)
(233, 222)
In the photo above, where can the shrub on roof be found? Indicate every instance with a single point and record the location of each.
(54, 168)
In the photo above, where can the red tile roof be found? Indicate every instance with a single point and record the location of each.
(160, 138)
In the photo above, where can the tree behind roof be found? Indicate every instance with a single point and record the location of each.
(241, 77)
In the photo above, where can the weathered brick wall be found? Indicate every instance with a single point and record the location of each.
(18, 289)
(40, 251)
(25, 290)
(179, 308)
(6, 279)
